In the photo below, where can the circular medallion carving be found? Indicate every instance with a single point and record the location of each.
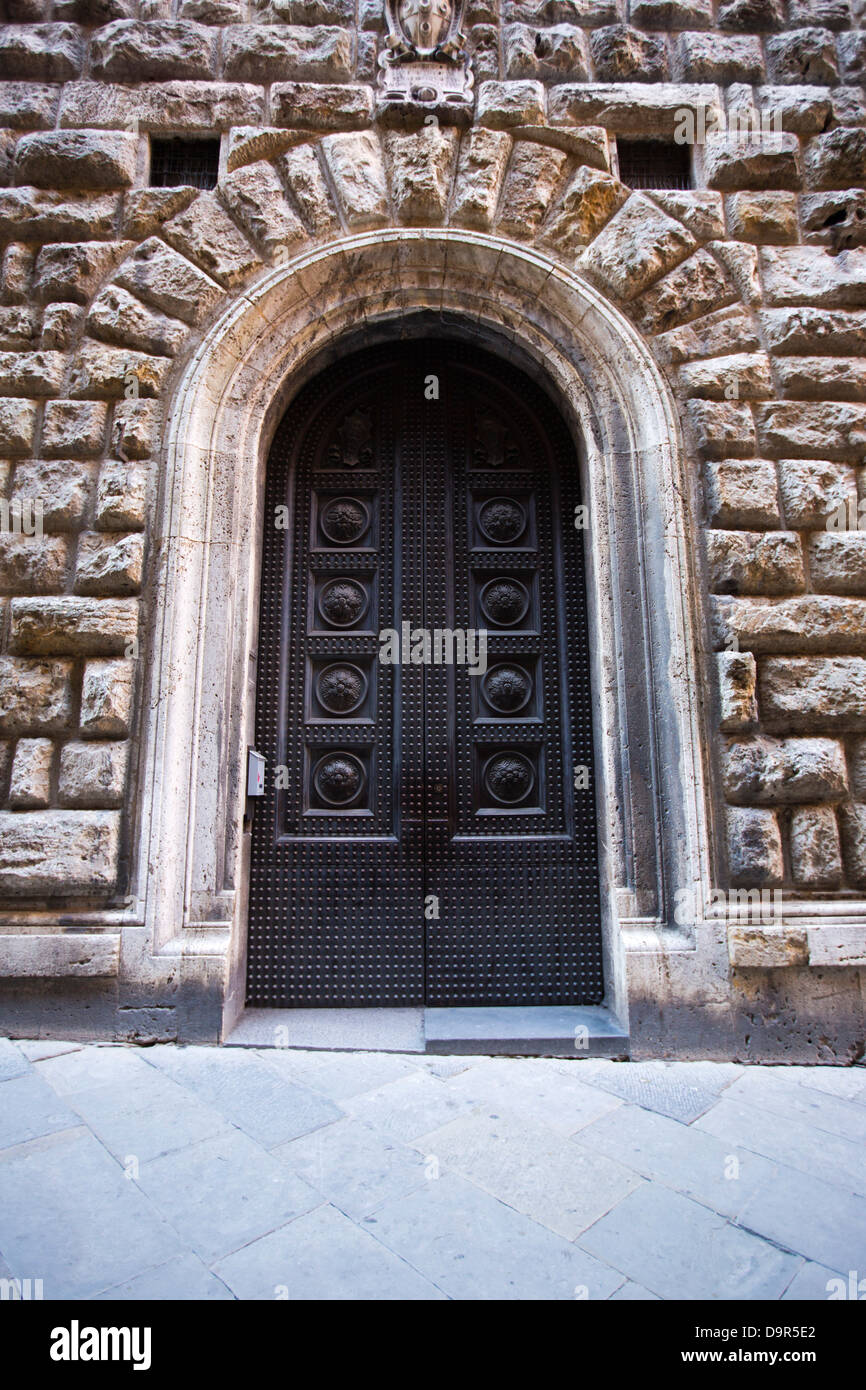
(509, 778)
(502, 520)
(343, 602)
(339, 778)
(344, 520)
(504, 602)
(341, 688)
(507, 688)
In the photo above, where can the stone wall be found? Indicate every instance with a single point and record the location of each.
(750, 290)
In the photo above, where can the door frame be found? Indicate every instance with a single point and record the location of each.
(656, 834)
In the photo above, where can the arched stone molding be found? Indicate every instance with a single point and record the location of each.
(654, 828)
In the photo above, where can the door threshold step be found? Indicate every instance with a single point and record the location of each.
(568, 1030)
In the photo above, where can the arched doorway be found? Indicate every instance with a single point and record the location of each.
(428, 833)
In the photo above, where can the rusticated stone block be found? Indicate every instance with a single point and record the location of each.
(837, 562)
(621, 53)
(118, 317)
(763, 217)
(831, 378)
(858, 769)
(813, 490)
(35, 696)
(739, 375)
(73, 429)
(814, 693)
(250, 144)
(162, 107)
(816, 860)
(557, 52)
(814, 330)
(809, 275)
(729, 330)
(48, 216)
(800, 110)
(121, 497)
(72, 272)
(306, 182)
(168, 281)
(751, 15)
(742, 493)
(771, 771)
(837, 220)
(355, 164)
(92, 775)
(754, 847)
(722, 430)
(136, 425)
(738, 702)
(631, 108)
(804, 55)
(829, 14)
(60, 486)
(72, 626)
(420, 167)
(134, 52)
(741, 263)
(320, 106)
(17, 425)
(28, 105)
(852, 823)
(836, 159)
(852, 56)
(109, 564)
(109, 373)
(671, 14)
(754, 562)
(17, 273)
(803, 429)
(254, 196)
(760, 162)
(58, 853)
(32, 564)
(52, 52)
(76, 159)
(271, 54)
(504, 104)
(691, 290)
(719, 58)
(214, 11)
(533, 174)
(19, 326)
(61, 326)
(589, 201)
(811, 623)
(106, 699)
(31, 373)
(30, 784)
(636, 247)
(480, 170)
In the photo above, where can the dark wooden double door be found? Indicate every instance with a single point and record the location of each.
(428, 834)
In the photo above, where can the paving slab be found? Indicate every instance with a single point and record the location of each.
(790, 1141)
(474, 1247)
(679, 1249)
(817, 1284)
(681, 1157)
(29, 1108)
(224, 1192)
(72, 1219)
(409, 1107)
(559, 1183)
(659, 1086)
(12, 1061)
(246, 1091)
(633, 1293)
(534, 1090)
(182, 1279)
(810, 1217)
(322, 1255)
(782, 1095)
(354, 1166)
(338, 1075)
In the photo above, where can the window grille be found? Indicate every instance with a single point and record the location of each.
(194, 163)
(654, 164)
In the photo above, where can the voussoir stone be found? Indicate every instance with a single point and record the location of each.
(256, 198)
(139, 52)
(168, 281)
(532, 177)
(636, 247)
(589, 201)
(420, 167)
(118, 317)
(356, 167)
(694, 288)
(76, 159)
(50, 853)
(303, 174)
(480, 171)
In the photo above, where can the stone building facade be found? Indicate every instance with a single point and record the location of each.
(702, 334)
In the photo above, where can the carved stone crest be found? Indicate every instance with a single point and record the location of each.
(424, 69)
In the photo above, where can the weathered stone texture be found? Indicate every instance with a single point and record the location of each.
(58, 853)
(106, 699)
(816, 860)
(737, 678)
(636, 247)
(92, 775)
(271, 54)
(72, 626)
(814, 693)
(35, 696)
(754, 847)
(133, 52)
(764, 771)
(30, 783)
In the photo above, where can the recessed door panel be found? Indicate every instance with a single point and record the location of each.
(428, 833)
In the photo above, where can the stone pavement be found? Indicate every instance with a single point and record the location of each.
(191, 1172)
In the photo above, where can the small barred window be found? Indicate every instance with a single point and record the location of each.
(176, 162)
(654, 164)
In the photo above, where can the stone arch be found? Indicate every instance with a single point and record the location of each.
(220, 420)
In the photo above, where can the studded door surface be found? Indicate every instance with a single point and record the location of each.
(428, 834)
